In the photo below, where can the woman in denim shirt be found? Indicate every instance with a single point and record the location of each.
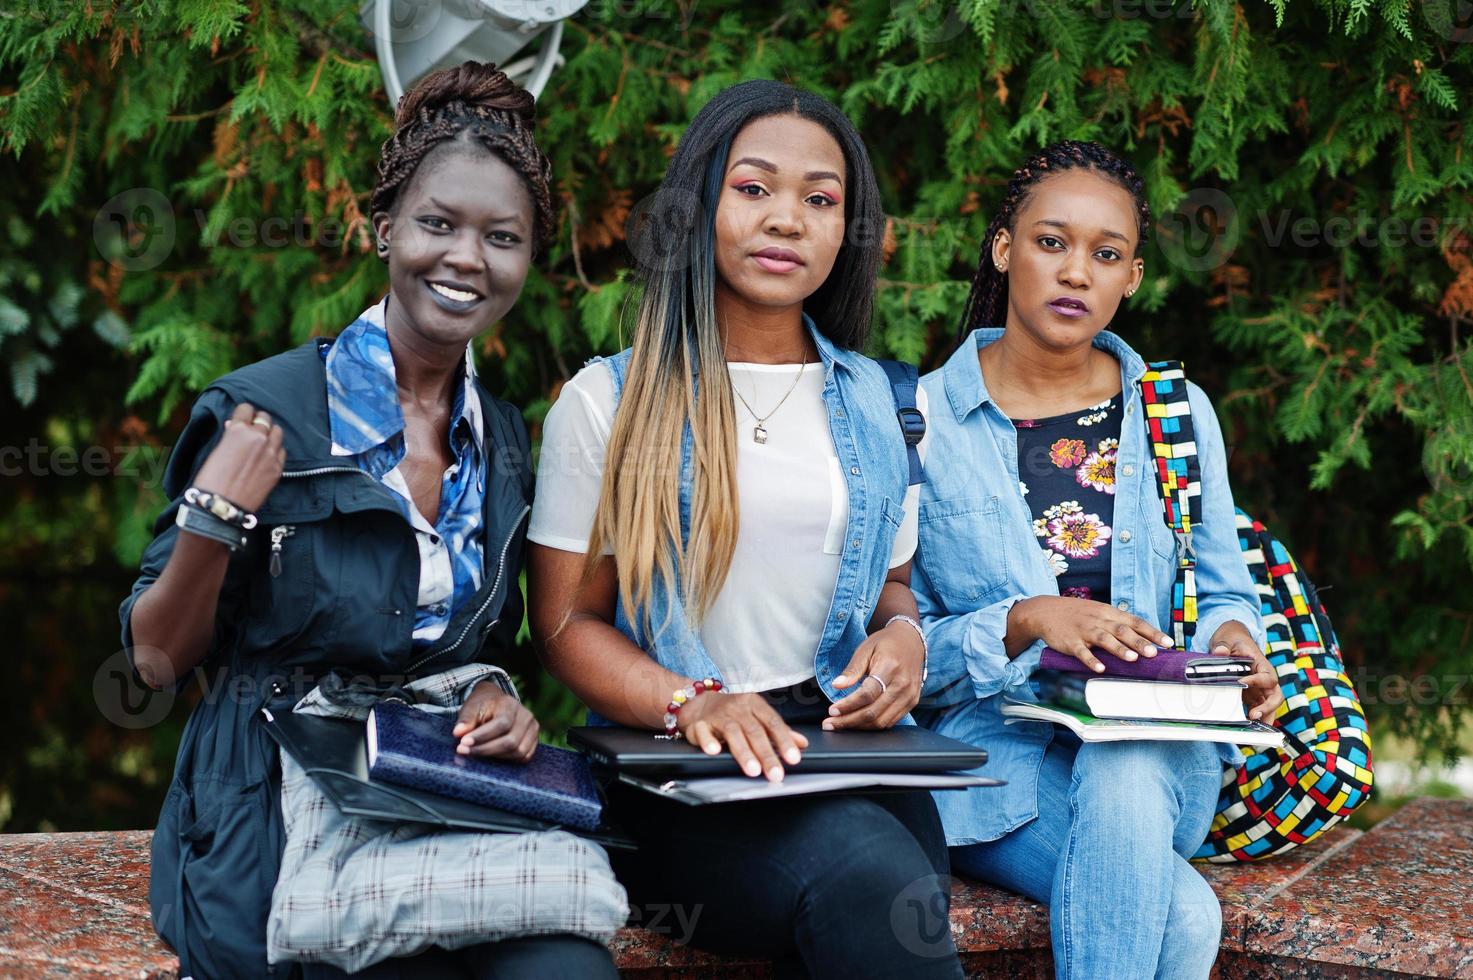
(1040, 524)
(728, 499)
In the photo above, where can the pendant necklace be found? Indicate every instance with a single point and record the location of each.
(759, 431)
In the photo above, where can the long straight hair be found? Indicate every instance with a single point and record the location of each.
(677, 379)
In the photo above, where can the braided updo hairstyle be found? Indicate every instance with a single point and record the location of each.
(987, 304)
(473, 105)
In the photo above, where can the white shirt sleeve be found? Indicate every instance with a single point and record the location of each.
(570, 466)
(905, 538)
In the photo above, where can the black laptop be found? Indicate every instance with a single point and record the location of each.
(903, 749)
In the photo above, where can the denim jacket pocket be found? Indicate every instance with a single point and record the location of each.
(962, 550)
(1153, 521)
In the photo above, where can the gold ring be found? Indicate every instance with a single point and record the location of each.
(262, 421)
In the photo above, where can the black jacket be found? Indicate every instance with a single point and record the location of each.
(343, 599)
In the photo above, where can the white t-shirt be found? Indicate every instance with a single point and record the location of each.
(763, 628)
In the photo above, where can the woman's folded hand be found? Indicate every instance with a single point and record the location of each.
(495, 725)
(887, 668)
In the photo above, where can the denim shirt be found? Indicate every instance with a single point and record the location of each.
(871, 451)
(978, 556)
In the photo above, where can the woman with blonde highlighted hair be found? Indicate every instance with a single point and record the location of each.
(724, 512)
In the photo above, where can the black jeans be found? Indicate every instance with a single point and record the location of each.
(823, 885)
(527, 958)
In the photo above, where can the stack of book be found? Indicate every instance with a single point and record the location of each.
(1175, 695)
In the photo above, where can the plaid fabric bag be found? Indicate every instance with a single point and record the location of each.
(1281, 797)
(354, 891)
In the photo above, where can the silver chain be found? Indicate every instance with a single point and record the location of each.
(759, 432)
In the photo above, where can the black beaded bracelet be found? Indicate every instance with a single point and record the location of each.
(218, 507)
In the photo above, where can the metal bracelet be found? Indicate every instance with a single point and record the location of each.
(925, 647)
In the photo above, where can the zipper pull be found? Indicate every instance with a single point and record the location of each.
(278, 533)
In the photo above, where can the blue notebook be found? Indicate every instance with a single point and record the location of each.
(415, 748)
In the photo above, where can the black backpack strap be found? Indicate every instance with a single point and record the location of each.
(903, 382)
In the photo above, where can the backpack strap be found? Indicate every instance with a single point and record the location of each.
(903, 381)
(1178, 478)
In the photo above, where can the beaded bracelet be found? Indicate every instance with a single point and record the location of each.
(218, 507)
(680, 697)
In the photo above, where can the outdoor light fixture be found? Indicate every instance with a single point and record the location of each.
(416, 37)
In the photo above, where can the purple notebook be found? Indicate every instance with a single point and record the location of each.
(1181, 666)
(416, 748)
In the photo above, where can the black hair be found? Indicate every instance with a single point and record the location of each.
(987, 303)
(676, 237)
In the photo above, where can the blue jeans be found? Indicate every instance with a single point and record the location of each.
(1108, 853)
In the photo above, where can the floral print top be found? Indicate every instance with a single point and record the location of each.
(1068, 468)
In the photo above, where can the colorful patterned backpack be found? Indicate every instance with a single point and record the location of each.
(1287, 796)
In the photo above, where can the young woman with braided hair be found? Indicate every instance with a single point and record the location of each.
(347, 522)
(1041, 524)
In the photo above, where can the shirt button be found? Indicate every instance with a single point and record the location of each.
(854, 470)
(1130, 409)
(440, 609)
(855, 542)
(1123, 606)
(838, 413)
(1125, 537)
(1128, 470)
(843, 614)
(434, 539)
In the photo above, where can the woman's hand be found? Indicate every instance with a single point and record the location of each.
(1075, 626)
(887, 667)
(248, 460)
(748, 726)
(1262, 696)
(495, 725)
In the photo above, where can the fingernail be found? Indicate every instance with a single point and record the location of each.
(467, 740)
(753, 768)
(792, 756)
(1098, 668)
(827, 726)
(1165, 641)
(775, 774)
(1129, 654)
(834, 711)
(1150, 651)
(841, 680)
(712, 748)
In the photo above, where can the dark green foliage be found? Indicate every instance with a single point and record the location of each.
(1309, 165)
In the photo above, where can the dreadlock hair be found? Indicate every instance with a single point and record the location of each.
(677, 340)
(987, 304)
(472, 105)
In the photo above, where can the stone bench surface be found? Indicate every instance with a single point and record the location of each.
(1395, 901)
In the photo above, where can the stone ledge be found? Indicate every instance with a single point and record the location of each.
(1393, 902)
